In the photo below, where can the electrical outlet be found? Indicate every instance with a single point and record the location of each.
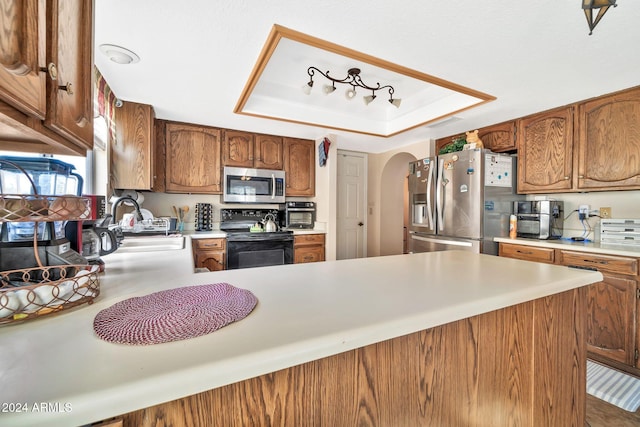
(605, 213)
(583, 212)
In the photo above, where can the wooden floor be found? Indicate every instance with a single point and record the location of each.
(603, 414)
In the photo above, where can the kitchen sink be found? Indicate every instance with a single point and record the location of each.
(151, 243)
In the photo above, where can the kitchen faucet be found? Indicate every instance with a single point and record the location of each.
(119, 200)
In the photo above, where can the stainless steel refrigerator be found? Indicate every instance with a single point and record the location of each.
(461, 201)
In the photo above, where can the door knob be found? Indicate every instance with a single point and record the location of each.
(361, 223)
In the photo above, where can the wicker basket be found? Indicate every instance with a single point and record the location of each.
(29, 293)
(20, 208)
(32, 292)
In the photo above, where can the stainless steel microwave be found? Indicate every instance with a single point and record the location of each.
(245, 185)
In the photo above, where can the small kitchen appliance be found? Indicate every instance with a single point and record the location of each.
(300, 215)
(244, 185)
(620, 232)
(539, 219)
(50, 176)
(46, 177)
(461, 201)
(92, 239)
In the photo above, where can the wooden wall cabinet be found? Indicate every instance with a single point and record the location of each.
(244, 149)
(70, 110)
(594, 149)
(22, 83)
(268, 152)
(132, 154)
(299, 166)
(499, 138)
(613, 324)
(192, 159)
(308, 248)
(46, 89)
(209, 253)
(608, 142)
(443, 142)
(588, 146)
(237, 149)
(545, 152)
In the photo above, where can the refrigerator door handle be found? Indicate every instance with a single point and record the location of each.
(439, 198)
(430, 216)
(442, 241)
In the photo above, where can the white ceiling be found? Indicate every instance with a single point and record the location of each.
(197, 56)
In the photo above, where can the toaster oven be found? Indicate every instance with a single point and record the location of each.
(539, 219)
(300, 215)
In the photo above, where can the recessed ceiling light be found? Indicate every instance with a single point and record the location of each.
(119, 54)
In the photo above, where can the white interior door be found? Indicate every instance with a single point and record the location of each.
(351, 206)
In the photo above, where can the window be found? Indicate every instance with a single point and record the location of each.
(82, 167)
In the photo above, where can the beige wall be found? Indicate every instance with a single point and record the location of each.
(623, 204)
(386, 197)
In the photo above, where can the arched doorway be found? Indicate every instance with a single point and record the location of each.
(393, 196)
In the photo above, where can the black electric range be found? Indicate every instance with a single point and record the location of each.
(245, 248)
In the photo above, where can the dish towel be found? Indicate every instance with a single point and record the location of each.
(612, 386)
(174, 314)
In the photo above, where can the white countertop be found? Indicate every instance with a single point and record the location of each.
(221, 234)
(305, 312)
(593, 247)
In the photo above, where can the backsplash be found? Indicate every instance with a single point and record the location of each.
(623, 204)
(160, 204)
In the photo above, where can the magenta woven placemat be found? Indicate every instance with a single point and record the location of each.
(175, 314)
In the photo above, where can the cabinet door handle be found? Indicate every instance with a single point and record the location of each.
(52, 70)
(567, 178)
(524, 252)
(67, 88)
(596, 262)
(581, 176)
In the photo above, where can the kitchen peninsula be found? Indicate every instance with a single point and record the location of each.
(442, 338)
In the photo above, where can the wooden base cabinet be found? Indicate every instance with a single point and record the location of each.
(611, 306)
(308, 248)
(209, 253)
(492, 369)
(613, 325)
(527, 253)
